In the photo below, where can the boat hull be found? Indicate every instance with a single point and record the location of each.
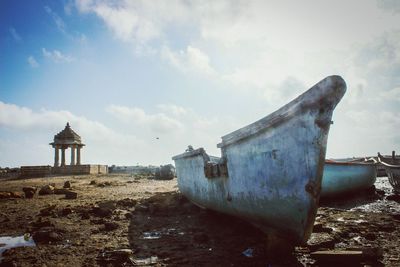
(345, 177)
(270, 171)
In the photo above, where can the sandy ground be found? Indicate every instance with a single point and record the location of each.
(124, 220)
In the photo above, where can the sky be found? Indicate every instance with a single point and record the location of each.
(139, 81)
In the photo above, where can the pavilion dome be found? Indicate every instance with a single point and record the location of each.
(67, 137)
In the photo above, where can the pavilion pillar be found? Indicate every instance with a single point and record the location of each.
(56, 156)
(62, 156)
(78, 155)
(73, 155)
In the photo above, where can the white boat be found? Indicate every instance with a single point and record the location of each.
(270, 171)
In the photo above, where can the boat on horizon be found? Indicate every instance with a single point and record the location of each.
(270, 171)
(344, 177)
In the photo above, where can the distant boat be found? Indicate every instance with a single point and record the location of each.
(341, 177)
(393, 173)
(270, 171)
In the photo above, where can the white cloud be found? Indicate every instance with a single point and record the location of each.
(15, 34)
(158, 123)
(57, 19)
(172, 109)
(192, 59)
(393, 94)
(57, 56)
(32, 62)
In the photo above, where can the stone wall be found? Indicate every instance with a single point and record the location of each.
(35, 171)
(43, 171)
(81, 169)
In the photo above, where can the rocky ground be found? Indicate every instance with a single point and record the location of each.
(124, 220)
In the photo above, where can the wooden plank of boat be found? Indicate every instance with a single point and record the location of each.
(346, 177)
(270, 171)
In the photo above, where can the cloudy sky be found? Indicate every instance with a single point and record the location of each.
(141, 80)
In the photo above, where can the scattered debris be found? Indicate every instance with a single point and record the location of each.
(145, 262)
(4, 195)
(151, 235)
(348, 256)
(248, 253)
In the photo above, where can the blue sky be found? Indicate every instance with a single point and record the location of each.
(126, 72)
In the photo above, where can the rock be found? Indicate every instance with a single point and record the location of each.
(29, 191)
(93, 182)
(46, 236)
(60, 191)
(110, 226)
(46, 190)
(71, 195)
(320, 240)
(4, 195)
(67, 184)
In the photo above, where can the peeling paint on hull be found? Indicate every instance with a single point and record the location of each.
(270, 171)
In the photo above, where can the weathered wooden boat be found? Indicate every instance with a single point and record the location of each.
(270, 171)
(346, 177)
(393, 173)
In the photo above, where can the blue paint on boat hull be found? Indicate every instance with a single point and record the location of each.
(274, 166)
(343, 178)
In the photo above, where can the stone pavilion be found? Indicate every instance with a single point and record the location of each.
(65, 139)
